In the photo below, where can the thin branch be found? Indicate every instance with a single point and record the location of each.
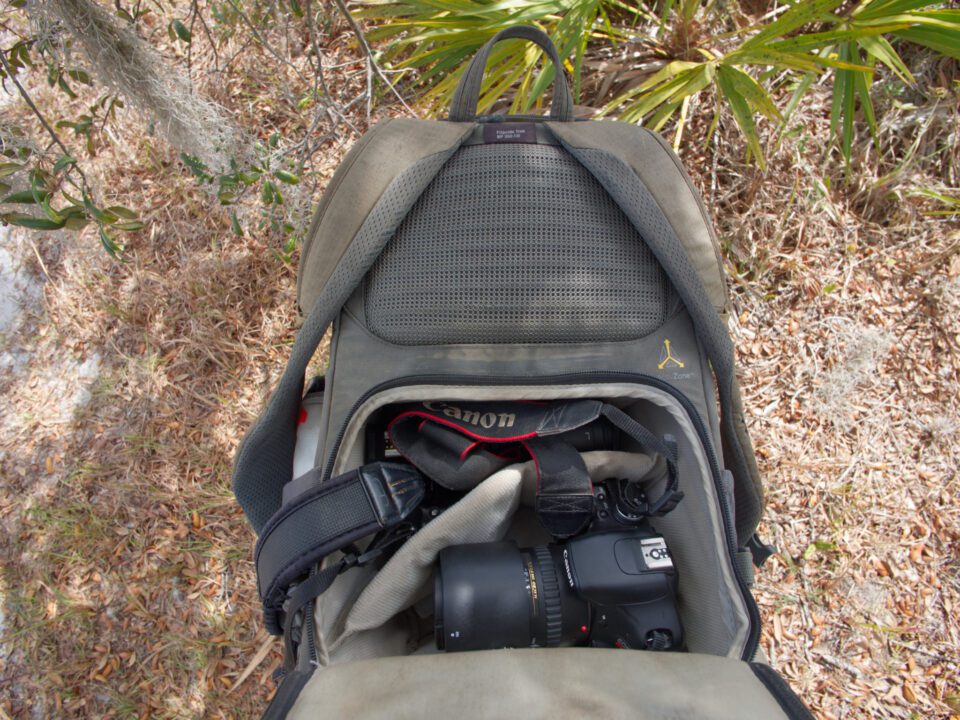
(369, 53)
(319, 76)
(43, 121)
(263, 41)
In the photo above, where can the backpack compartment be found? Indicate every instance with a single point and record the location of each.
(478, 261)
(715, 609)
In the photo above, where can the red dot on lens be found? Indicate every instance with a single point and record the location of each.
(583, 628)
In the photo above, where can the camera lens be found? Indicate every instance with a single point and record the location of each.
(496, 595)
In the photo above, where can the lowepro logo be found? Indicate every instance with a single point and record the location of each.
(477, 418)
(667, 357)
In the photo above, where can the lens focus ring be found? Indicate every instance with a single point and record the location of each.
(553, 611)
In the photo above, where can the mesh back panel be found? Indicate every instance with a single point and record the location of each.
(514, 244)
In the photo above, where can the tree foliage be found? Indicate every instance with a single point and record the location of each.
(664, 70)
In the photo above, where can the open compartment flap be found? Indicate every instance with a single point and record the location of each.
(554, 683)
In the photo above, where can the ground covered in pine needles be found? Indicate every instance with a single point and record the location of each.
(128, 588)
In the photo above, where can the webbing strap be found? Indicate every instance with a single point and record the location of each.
(464, 104)
(652, 444)
(264, 461)
(327, 518)
(458, 445)
(642, 209)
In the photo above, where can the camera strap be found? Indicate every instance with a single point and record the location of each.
(459, 444)
(325, 519)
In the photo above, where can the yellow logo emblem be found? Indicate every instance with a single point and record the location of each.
(666, 357)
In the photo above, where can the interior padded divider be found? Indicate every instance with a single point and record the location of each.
(370, 628)
(264, 461)
(483, 515)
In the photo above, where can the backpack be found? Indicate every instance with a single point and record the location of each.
(497, 285)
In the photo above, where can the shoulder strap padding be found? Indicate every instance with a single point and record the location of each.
(639, 203)
(264, 461)
(365, 173)
(663, 174)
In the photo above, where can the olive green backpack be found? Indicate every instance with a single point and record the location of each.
(496, 258)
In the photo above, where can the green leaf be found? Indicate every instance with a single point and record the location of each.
(129, 226)
(942, 41)
(26, 197)
(287, 177)
(81, 76)
(182, 31)
(742, 113)
(122, 212)
(101, 216)
(235, 225)
(758, 98)
(7, 169)
(269, 194)
(884, 52)
(33, 223)
(77, 223)
(799, 14)
(109, 244)
(63, 162)
(62, 84)
(862, 87)
(52, 214)
(197, 167)
(816, 41)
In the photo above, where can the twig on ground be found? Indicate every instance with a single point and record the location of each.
(268, 643)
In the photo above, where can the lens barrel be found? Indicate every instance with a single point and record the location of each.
(496, 595)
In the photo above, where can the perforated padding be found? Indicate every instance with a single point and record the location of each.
(514, 244)
(264, 461)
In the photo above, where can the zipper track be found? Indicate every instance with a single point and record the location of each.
(753, 638)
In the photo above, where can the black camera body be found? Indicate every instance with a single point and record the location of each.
(614, 585)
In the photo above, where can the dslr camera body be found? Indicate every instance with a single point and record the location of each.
(614, 585)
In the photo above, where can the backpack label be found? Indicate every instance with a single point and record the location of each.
(510, 133)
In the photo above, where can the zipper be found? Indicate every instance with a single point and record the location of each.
(753, 638)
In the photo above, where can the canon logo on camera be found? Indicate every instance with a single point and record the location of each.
(566, 566)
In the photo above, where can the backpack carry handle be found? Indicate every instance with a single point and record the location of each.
(464, 105)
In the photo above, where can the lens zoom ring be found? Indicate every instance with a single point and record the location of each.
(553, 612)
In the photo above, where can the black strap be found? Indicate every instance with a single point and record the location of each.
(463, 108)
(642, 209)
(759, 550)
(652, 444)
(287, 694)
(564, 501)
(327, 518)
(303, 596)
(459, 444)
(296, 674)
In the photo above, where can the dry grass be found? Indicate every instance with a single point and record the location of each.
(128, 588)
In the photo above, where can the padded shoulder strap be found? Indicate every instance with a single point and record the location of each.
(662, 172)
(373, 163)
(636, 199)
(264, 461)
